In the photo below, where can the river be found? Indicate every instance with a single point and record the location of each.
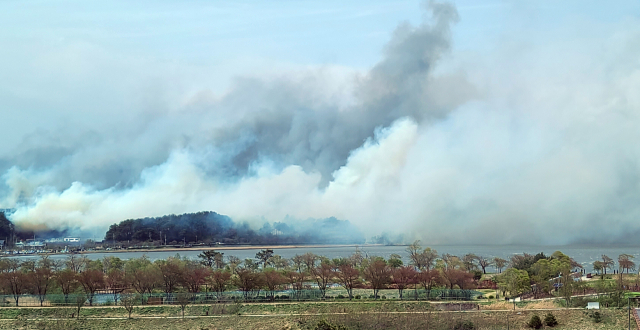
(585, 255)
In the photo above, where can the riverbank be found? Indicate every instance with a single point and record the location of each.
(230, 248)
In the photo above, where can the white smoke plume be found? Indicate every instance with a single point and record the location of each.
(493, 148)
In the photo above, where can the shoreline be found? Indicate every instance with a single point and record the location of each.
(228, 248)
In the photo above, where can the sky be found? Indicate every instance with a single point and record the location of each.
(476, 122)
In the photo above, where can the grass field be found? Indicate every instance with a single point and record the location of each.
(351, 315)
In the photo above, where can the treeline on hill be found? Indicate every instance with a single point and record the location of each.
(211, 227)
(11, 234)
(6, 228)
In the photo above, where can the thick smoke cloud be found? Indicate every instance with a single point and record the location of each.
(502, 148)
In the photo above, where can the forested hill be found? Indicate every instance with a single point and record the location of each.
(6, 227)
(211, 227)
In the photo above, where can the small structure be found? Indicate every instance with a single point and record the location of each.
(593, 305)
(1, 244)
(155, 301)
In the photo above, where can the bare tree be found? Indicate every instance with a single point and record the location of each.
(414, 250)
(403, 277)
(194, 276)
(183, 299)
(625, 263)
(171, 273)
(272, 280)
(68, 282)
(219, 280)
(347, 276)
(483, 263)
(116, 283)
(128, 301)
(80, 300)
(40, 278)
(247, 281)
(378, 273)
(310, 260)
(13, 279)
(91, 280)
(421, 259)
(500, 263)
(428, 279)
(607, 263)
(323, 275)
(144, 279)
(469, 261)
(296, 279)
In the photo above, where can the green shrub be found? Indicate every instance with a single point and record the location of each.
(491, 297)
(477, 275)
(384, 297)
(340, 296)
(535, 322)
(464, 325)
(550, 320)
(358, 296)
(597, 317)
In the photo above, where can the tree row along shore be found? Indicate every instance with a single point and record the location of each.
(270, 277)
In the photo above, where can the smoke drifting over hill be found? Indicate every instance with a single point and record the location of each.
(482, 148)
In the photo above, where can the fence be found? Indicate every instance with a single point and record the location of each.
(110, 299)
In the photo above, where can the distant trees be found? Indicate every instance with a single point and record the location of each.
(483, 263)
(499, 263)
(469, 261)
(625, 262)
(514, 281)
(211, 259)
(211, 227)
(607, 263)
(598, 266)
(270, 273)
(421, 259)
(264, 257)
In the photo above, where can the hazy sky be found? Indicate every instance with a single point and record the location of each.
(469, 121)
